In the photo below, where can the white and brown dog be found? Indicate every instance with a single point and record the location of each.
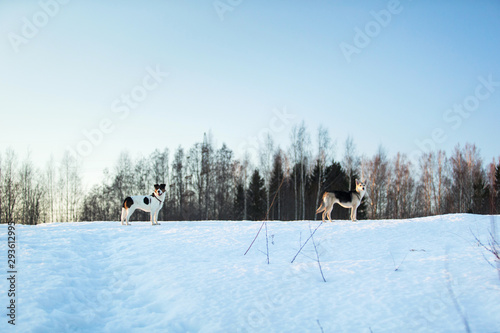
(350, 199)
(148, 203)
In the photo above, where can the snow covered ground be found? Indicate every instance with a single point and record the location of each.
(193, 277)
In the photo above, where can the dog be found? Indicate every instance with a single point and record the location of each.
(148, 203)
(350, 199)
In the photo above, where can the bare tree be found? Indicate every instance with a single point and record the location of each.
(224, 184)
(266, 161)
(351, 161)
(466, 166)
(159, 166)
(31, 198)
(324, 154)
(10, 188)
(178, 179)
(300, 156)
(1, 189)
(191, 176)
(400, 193)
(426, 184)
(442, 181)
(51, 197)
(206, 174)
(196, 179)
(376, 172)
(123, 180)
(143, 179)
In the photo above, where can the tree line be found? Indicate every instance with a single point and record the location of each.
(206, 182)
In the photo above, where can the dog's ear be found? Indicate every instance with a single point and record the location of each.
(357, 182)
(162, 187)
(157, 186)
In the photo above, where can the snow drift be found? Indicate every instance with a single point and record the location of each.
(418, 275)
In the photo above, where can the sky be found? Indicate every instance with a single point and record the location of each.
(96, 78)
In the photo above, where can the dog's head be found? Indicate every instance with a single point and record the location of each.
(160, 189)
(360, 186)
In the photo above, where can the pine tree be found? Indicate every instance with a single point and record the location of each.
(277, 175)
(239, 203)
(480, 196)
(497, 188)
(313, 188)
(256, 198)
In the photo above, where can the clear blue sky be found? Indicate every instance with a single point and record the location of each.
(67, 69)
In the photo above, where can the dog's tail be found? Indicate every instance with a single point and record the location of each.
(127, 203)
(322, 207)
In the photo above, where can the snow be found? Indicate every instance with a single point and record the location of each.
(193, 277)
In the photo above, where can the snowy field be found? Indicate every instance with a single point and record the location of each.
(193, 277)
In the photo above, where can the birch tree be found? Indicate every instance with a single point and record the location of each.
(351, 161)
(376, 171)
(324, 154)
(300, 156)
(10, 186)
(266, 161)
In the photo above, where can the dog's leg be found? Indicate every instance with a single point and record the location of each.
(329, 212)
(354, 209)
(156, 216)
(122, 217)
(125, 215)
(320, 208)
(129, 213)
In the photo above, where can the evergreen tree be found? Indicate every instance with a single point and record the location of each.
(256, 198)
(497, 188)
(239, 203)
(223, 183)
(314, 181)
(277, 175)
(480, 196)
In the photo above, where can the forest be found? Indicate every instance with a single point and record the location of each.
(206, 182)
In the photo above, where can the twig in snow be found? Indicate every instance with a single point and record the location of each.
(493, 246)
(267, 245)
(317, 255)
(455, 301)
(264, 222)
(258, 232)
(458, 308)
(306, 242)
(317, 320)
(397, 268)
(267, 241)
(393, 261)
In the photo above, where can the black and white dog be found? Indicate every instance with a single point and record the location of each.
(148, 203)
(350, 199)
